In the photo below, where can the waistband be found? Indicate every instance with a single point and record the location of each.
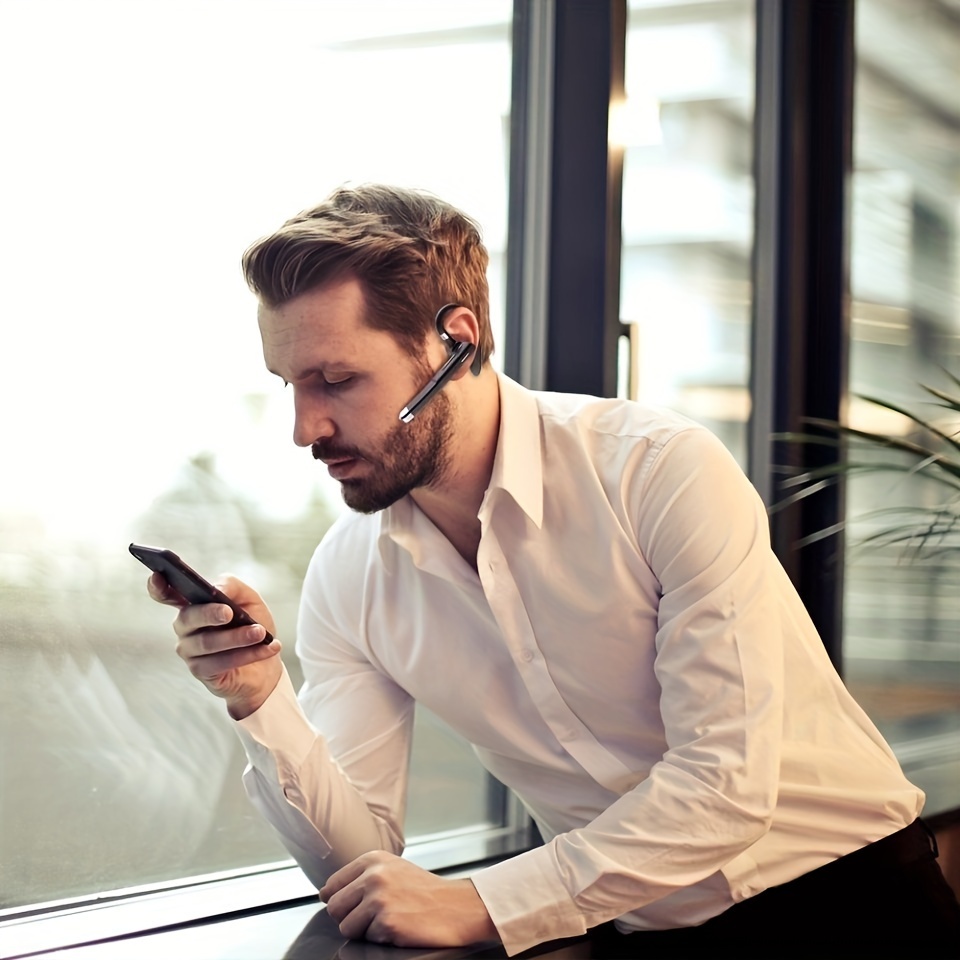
(913, 843)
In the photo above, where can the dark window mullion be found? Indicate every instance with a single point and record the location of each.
(564, 264)
(804, 111)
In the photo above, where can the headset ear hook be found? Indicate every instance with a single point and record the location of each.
(477, 362)
(459, 354)
(444, 336)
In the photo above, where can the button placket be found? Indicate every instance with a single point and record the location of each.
(510, 612)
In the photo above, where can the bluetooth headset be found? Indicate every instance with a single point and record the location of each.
(459, 353)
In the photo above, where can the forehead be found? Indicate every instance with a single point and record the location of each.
(322, 328)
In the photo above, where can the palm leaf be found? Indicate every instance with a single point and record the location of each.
(934, 454)
(926, 425)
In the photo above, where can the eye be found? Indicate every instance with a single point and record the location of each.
(338, 384)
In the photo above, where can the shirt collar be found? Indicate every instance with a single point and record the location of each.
(396, 526)
(518, 465)
(517, 470)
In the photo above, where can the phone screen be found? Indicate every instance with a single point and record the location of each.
(189, 584)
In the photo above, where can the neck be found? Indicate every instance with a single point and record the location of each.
(453, 502)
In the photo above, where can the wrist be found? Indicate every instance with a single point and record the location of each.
(246, 702)
(483, 927)
(243, 708)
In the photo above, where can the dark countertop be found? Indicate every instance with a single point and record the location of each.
(295, 932)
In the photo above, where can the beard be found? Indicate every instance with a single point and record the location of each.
(411, 455)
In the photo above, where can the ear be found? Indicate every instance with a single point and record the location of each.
(462, 325)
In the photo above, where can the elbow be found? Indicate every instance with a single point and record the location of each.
(753, 804)
(758, 824)
(733, 800)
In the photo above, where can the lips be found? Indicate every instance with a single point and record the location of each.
(340, 467)
(339, 462)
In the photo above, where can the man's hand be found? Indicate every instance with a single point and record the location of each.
(389, 900)
(232, 664)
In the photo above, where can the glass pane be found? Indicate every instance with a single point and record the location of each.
(688, 210)
(146, 144)
(901, 653)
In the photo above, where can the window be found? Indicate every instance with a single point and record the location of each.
(147, 144)
(688, 195)
(901, 655)
(688, 210)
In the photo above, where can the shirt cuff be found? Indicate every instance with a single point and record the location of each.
(278, 735)
(527, 901)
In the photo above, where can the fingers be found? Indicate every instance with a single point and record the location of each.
(358, 913)
(211, 648)
(345, 875)
(348, 894)
(212, 643)
(350, 910)
(162, 592)
(213, 667)
(386, 899)
(194, 616)
(201, 626)
(203, 636)
(376, 897)
(212, 618)
(228, 655)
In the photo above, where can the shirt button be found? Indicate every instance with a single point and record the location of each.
(526, 655)
(566, 735)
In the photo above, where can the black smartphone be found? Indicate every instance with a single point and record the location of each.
(190, 585)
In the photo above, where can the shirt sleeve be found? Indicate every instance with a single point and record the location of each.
(334, 785)
(703, 531)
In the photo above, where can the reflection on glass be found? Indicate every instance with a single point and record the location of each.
(687, 129)
(902, 608)
(146, 145)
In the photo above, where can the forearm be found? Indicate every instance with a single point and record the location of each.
(645, 848)
(292, 780)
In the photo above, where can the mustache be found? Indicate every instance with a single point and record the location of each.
(324, 450)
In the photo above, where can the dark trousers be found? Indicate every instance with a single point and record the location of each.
(888, 900)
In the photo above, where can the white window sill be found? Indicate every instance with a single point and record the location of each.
(70, 924)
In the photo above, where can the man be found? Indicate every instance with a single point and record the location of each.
(585, 590)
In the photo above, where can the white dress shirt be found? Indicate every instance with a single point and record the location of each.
(631, 659)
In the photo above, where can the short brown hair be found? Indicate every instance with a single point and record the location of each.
(411, 252)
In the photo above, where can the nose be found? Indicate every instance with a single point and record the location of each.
(311, 420)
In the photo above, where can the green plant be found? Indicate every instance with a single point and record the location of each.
(928, 450)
